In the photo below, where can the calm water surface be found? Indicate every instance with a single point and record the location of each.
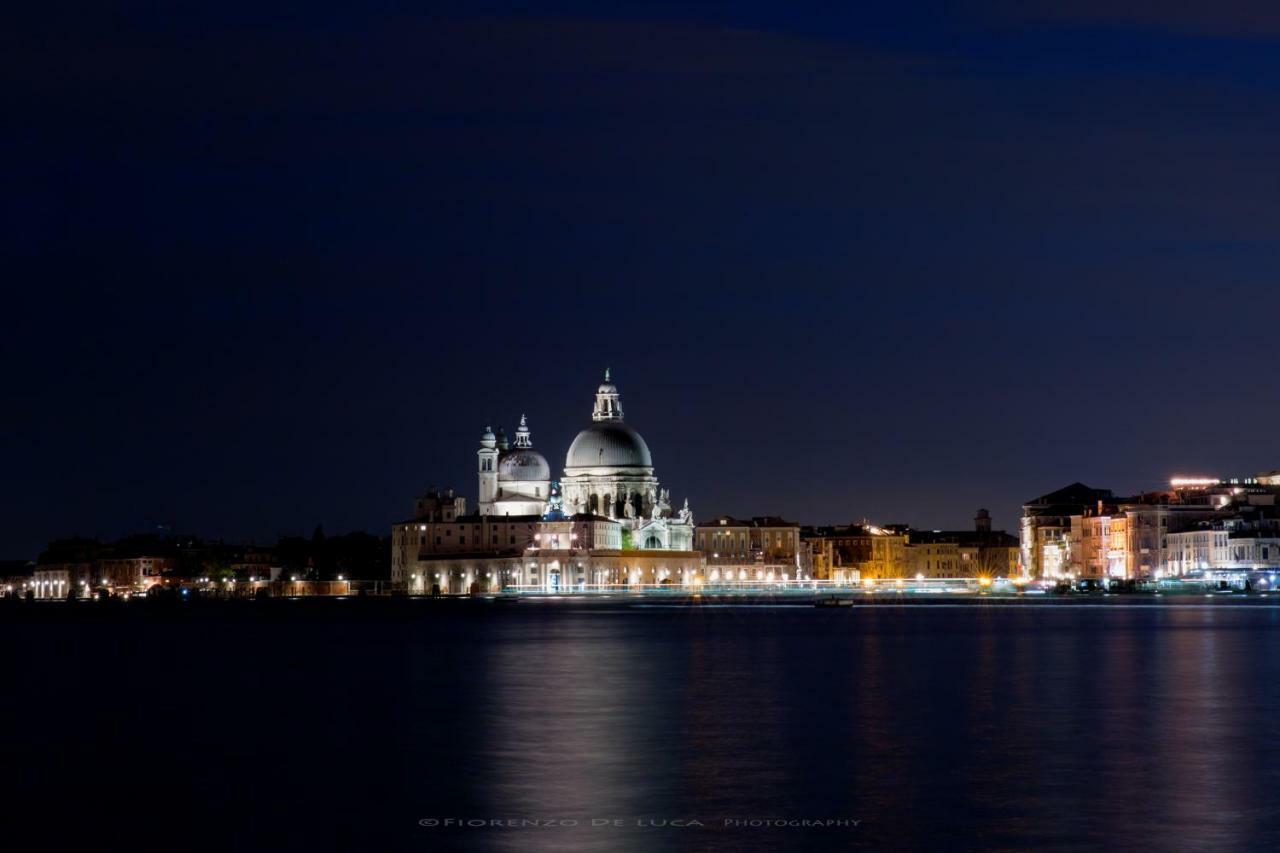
(341, 725)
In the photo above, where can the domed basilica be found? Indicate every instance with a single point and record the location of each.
(608, 472)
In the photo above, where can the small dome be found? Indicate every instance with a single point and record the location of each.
(610, 444)
(487, 435)
(524, 464)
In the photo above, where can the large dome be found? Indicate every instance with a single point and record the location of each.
(609, 444)
(523, 464)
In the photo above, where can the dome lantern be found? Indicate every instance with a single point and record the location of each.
(523, 438)
(608, 402)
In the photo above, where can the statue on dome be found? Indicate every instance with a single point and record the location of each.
(686, 515)
(663, 504)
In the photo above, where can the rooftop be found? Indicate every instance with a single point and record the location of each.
(755, 521)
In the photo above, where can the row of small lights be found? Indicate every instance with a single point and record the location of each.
(107, 583)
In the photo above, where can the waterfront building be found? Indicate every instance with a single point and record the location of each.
(59, 580)
(1103, 544)
(978, 553)
(1046, 536)
(133, 564)
(115, 573)
(256, 564)
(463, 546)
(1149, 520)
(1078, 532)
(1243, 541)
(764, 547)
(584, 552)
(848, 553)
(610, 523)
(134, 574)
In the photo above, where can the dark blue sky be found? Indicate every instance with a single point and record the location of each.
(270, 265)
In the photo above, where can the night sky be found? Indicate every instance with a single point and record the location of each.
(269, 265)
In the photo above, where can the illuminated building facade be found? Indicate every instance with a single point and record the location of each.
(1046, 535)
(514, 480)
(979, 553)
(132, 573)
(58, 580)
(762, 548)
(1228, 544)
(1078, 532)
(608, 521)
(847, 554)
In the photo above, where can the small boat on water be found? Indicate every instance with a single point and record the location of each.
(833, 601)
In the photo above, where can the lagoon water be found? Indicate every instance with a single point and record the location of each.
(620, 727)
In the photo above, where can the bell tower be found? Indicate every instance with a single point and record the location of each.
(487, 464)
(982, 521)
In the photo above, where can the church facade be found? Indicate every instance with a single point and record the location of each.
(608, 472)
(513, 480)
(606, 523)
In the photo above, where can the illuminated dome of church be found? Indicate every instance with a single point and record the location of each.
(523, 464)
(610, 444)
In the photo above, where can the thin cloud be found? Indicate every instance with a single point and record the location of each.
(1231, 18)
